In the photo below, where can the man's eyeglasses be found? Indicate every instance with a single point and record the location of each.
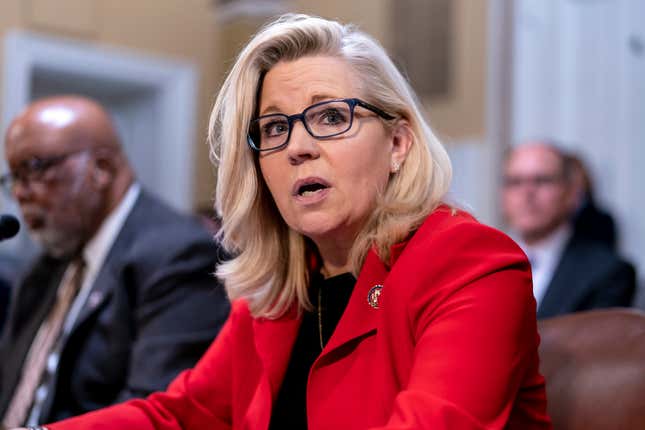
(534, 181)
(33, 170)
(321, 120)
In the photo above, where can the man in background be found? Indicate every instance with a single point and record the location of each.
(123, 298)
(570, 272)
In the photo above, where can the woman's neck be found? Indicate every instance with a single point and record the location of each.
(335, 259)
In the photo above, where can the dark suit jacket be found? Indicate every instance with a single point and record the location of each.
(592, 223)
(589, 275)
(154, 309)
(4, 300)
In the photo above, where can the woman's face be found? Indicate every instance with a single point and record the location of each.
(325, 189)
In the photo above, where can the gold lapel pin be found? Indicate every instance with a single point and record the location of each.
(373, 296)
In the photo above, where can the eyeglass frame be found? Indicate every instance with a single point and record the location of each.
(537, 181)
(34, 166)
(352, 102)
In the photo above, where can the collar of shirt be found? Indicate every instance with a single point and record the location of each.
(97, 248)
(545, 256)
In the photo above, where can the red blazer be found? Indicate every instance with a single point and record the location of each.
(453, 345)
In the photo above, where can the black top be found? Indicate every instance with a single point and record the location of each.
(290, 408)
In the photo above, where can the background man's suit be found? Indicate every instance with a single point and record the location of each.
(153, 310)
(4, 300)
(589, 275)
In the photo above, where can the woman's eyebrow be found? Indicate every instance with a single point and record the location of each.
(322, 97)
(313, 100)
(270, 109)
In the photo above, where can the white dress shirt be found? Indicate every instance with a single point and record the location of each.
(544, 257)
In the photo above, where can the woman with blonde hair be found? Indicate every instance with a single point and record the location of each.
(360, 300)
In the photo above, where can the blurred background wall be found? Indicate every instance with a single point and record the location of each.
(578, 76)
(139, 34)
(205, 35)
(490, 74)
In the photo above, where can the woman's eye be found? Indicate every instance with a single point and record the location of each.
(274, 128)
(332, 117)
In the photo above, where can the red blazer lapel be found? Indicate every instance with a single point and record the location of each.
(274, 339)
(359, 317)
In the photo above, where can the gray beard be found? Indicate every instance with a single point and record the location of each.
(57, 243)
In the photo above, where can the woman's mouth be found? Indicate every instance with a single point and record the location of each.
(310, 190)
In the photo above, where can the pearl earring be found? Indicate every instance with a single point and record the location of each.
(395, 166)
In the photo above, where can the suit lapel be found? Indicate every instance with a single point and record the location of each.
(108, 277)
(100, 291)
(564, 287)
(274, 339)
(359, 318)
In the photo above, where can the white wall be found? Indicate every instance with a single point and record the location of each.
(579, 77)
(473, 179)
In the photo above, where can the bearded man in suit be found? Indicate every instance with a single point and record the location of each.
(123, 297)
(570, 272)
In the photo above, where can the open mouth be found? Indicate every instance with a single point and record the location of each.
(309, 187)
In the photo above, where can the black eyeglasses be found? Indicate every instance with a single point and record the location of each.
(33, 170)
(321, 120)
(534, 181)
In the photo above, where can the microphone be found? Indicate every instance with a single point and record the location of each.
(9, 226)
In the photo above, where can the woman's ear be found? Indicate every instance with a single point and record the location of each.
(402, 140)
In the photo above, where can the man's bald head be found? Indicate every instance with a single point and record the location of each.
(69, 169)
(77, 123)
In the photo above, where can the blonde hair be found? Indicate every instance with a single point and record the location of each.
(270, 268)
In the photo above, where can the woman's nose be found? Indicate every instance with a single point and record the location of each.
(302, 145)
